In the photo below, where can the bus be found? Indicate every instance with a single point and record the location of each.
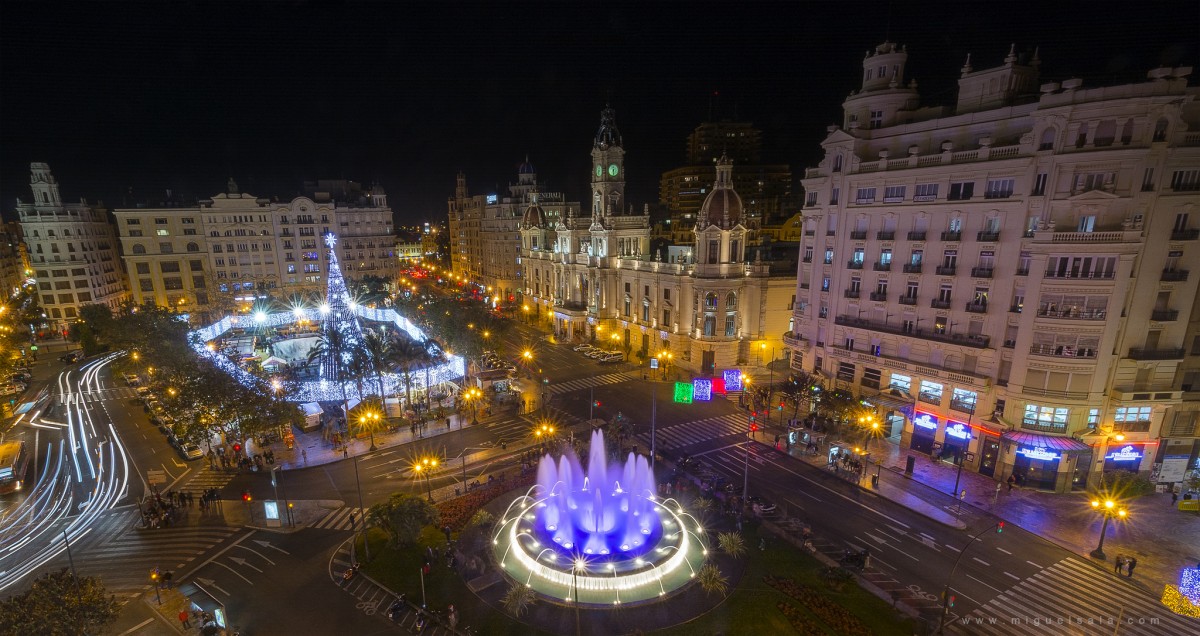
(14, 461)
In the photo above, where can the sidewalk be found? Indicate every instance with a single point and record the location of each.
(1163, 539)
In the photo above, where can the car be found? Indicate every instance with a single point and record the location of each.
(12, 388)
(143, 390)
(132, 380)
(70, 358)
(596, 354)
(583, 348)
(761, 507)
(613, 357)
(172, 440)
(190, 451)
(22, 377)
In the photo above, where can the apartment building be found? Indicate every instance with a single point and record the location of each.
(1007, 279)
(72, 251)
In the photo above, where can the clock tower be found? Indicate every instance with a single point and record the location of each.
(608, 167)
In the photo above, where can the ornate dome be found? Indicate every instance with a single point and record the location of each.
(723, 206)
(534, 216)
(526, 167)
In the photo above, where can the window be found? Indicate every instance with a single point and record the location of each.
(963, 400)
(133, 221)
(172, 283)
(871, 378)
(666, 319)
(901, 383)
(833, 195)
(1132, 414)
(165, 248)
(925, 192)
(1047, 142)
(84, 297)
(1039, 184)
(143, 268)
(825, 284)
(1045, 417)
(845, 371)
(714, 251)
(1185, 180)
(931, 392)
(828, 256)
(139, 249)
(912, 289)
(169, 267)
(730, 325)
(961, 191)
(810, 199)
(132, 233)
(146, 284)
(667, 294)
(162, 232)
(1093, 418)
(865, 195)
(876, 119)
(894, 194)
(917, 256)
(885, 257)
(999, 189)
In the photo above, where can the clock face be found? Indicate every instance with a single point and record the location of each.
(599, 170)
(612, 170)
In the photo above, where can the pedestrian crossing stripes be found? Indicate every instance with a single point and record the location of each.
(688, 433)
(207, 478)
(1073, 597)
(339, 519)
(117, 393)
(586, 383)
(123, 555)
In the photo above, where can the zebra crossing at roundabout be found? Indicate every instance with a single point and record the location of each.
(587, 383)
(1073, 597)
(207, 478)
(339, 519)
(688, 433)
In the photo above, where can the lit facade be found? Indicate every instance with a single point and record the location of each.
(1008, 279)
(72, 251)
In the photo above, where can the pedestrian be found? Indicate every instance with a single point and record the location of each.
(1119, 565)
(185, 618)
(446, 531)
(345, 452)
(1012, 479)
(1174, 498)
(1131, 564)
(304, 454)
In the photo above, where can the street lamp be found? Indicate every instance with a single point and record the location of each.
(424, 467)
(1109, 509)
(543, 433)
(369, 420)
(745, 388)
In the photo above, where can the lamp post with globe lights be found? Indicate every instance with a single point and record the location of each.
(425, 466)
(1109, 508)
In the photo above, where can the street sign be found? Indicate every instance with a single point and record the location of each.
(156, 477)
(653, 363)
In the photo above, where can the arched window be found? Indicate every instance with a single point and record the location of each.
(139, 249)
(731, 302)
(1047, 139)
(192, 247)
(710, 301)
(228, 233)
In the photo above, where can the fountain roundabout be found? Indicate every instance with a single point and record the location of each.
(598, 536)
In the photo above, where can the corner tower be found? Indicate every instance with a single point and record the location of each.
(608, 167)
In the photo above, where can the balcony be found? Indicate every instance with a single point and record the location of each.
(1080, 275)
(908, 300)
(977, 308)
(794, 341)
(854, 264)
(951, 236)
(879, 296)
(978, 342)
(1164, 315)
(809, 232)
(1022, 271)
(882, 267)
(851, 293)
(1185, 235)
(987, 237)
(1174, 275)
(916, 236)
(1062, 352)
(858, 235)
(981, 272)
(939, 304)
(1138, 353)
(885, 236)
(946, 270)
(1074, 314)
(912, 268)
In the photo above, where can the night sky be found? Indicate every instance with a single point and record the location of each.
(124, 98)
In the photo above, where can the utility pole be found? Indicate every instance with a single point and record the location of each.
(653, 421)
(366, 544)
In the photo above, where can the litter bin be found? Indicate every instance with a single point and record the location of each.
(909, 464)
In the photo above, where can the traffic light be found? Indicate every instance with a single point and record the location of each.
(952, 599)
(237, 448)
(780, 405)
(753, 427)
(596, 404)
(999, 527)
(246, 496)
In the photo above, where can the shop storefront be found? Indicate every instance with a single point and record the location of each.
(989, 455)
(1127, 458)
(895, 407)
(924, 430)
(1044, 462)
(956, 442)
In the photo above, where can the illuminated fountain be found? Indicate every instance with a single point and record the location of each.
(598, 536)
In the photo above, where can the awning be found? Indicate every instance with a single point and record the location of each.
(892, 400)
(1049, 442)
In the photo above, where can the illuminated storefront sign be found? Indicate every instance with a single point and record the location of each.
(1127, 454)
(702, 389)
(733, 379)
(925, 420)
(959, 430)
(1040, 453)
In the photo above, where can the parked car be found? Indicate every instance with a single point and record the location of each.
(12, 388)
(761, 506)
(132, 380)
(613, 357)
(596, 354)
(583, 348)
(21, 376)
(190, 451)
(70, 358)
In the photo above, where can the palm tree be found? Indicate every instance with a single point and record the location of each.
(332, 343)
(518, 599)
(377, 347)
(711, 580)
(406, 353)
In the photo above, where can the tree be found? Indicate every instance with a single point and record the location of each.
(377, 350)
(406, 353)
(518, 599)
(332, 342)
(402, 517)
(711, 580)
(59, 603)
(732, 544)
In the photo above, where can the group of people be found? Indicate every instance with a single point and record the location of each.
(1124, 566)
(160, 510)
(847, 464)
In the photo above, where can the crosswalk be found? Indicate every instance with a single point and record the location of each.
(123, 555)
(207, 478)
(586, 383)
(100, 395)
(1073, 597)
(688, 433)
(339, 519)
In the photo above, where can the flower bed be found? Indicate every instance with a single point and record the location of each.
(834, 615)
(799, 620)
(456, 512)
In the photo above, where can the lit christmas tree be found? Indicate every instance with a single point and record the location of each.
(338, 317)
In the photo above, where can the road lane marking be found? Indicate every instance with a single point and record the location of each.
(960, 593)
(877, 539)
(137, 627)
(1005, 551)
(239, 575)
(256, 552)
(860, 504)
(1035, 565)
(985, 563)
(983, 584)
(952, 547)
(1014, 576)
